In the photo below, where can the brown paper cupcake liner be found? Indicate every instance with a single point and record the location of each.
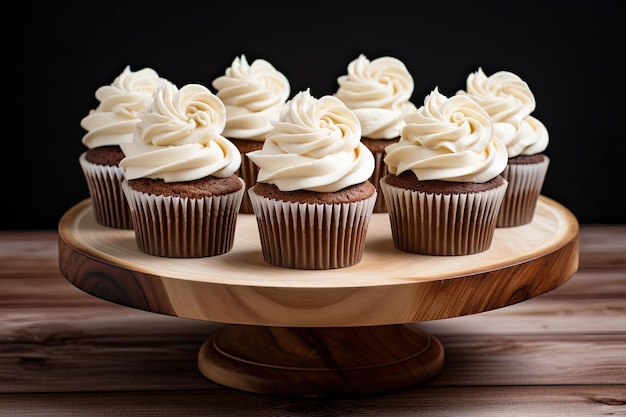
(176, 227)
(312, 236)
(522, 194)
(442, 224)
(107, 198)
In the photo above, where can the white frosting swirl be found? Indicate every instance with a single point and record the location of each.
(114, 120)
(378, 92)
(179, 137)
(503, 95)
(509, 101)
(253, 94)
(448, 139)
(530, 137)
(315, 145)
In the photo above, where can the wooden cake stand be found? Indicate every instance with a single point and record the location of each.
(342, 332)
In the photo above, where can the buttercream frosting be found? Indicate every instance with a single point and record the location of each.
(379, 93)
(315, 145)
(509, 101)
(179, 137)
(448, 139)
(113, 121)
(253, 94)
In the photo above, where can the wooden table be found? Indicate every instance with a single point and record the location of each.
(66, 353)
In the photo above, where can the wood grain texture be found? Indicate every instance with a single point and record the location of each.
(321, 362)
(387, 287)
(579, 401)
(342, 336)
(66, 353)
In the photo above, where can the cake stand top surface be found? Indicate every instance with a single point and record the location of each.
(388, 286)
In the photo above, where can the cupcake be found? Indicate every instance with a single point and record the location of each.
(180, 180)
(378, 92)
(253, 95)
(313, 199)
(444, 188)
(510, 102)
(109, 125)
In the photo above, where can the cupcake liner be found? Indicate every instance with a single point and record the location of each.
(107, 198)
(442, 224)
(312, 236)
(520, 200)
(380, 171)
(177, 227)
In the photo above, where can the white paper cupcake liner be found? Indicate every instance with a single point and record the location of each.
(107, 198)
(442, 224)
(520, 200)
(312, 236)
(177, 227)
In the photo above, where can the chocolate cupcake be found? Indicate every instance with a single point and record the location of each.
(253, 95)
(379, 93)
(444, 189)
(313, 200)
(180, 183)
(509, 101)
(108, 125)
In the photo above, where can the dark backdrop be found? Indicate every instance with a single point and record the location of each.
(568, 52)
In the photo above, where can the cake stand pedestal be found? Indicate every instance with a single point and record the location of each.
(344, 332)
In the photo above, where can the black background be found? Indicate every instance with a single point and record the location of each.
(570, 54)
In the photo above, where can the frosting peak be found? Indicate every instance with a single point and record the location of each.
(179, 137)
(503, 95)
(315, 145)
(509, 101)
(114, 120)
(378, 92)
(190, 115)
(448, 139)
(253, 95)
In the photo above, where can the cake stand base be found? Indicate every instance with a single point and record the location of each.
(321, 362)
